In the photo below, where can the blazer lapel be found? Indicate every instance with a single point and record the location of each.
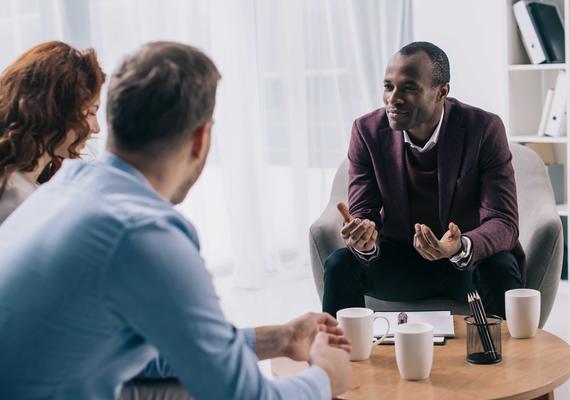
(449, 157)
(392, 153)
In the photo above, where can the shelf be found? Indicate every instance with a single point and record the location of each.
(562, 209)
(537, 67)
(538, 139)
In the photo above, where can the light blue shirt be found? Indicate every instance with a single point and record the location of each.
(97, 272)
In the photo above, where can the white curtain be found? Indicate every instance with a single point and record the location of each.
(295, 74)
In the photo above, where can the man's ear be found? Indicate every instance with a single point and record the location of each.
(443, 92)
(201, 139)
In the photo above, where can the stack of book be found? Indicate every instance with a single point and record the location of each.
(553, 118)
(541, 30)
(542, 33)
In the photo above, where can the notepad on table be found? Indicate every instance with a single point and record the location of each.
(442, 322)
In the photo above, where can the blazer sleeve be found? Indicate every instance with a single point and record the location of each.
(364, 196)
(498, 211)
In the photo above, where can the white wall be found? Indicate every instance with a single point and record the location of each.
(473, 34)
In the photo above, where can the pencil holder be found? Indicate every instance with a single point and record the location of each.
(484, 340)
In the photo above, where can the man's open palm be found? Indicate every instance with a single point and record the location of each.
(433, 249)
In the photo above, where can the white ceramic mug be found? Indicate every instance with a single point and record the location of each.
(414, 350)
(358, 326)
(522, 309)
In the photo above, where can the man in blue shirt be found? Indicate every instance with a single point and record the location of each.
(98, 272)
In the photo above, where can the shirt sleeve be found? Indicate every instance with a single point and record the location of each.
(366, 256)
(158, 284)
(364, 197)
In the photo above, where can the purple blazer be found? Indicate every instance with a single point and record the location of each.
(476, 182)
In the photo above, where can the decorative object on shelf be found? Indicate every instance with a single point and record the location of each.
(542, 31)
(545, 112)
(529, 35)
(556, 124)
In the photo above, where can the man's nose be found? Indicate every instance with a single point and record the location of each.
(394, 99)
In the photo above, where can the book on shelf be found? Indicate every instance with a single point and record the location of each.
(545, 111)
(556, 123)
(542, 31)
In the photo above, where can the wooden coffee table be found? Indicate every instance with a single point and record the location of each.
(531, 369)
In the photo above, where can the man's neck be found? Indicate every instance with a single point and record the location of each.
(156, 172)
(421, 134)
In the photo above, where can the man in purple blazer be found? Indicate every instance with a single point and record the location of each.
(432, 196)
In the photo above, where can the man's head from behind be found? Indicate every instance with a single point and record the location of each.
(159, 111)
(415, 85)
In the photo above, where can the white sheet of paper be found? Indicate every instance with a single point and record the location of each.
(442, 322)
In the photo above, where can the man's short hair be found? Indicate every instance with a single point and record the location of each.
(438, 59)
(159, 96)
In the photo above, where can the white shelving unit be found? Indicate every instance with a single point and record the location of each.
(526, 89)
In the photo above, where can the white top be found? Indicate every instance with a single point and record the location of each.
(18, 189)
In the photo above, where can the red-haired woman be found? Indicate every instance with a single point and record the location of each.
(49, 100)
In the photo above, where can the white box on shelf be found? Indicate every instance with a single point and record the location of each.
(545, 111)
(556, 124)
(528, 33)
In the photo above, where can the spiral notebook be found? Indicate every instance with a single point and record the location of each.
(442, 322)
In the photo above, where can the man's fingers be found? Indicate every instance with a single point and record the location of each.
(454, 229)
(327, 319)
(359, 231)
(346, 348)
(338, 340)
(421, 240)
(433, 254)
(369, 232)
(322, 338)
(343, 209)
(430, 237)
(332, 330)
(347, 228)
(425, 250)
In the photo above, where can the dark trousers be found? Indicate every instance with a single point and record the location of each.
(401, 274)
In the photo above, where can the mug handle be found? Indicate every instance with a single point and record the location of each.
(376, 342)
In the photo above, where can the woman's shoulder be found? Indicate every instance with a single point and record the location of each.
(19, 188)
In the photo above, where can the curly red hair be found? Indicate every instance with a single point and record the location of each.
(43, 97)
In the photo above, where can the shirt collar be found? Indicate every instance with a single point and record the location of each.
(111, 159)
(432, 140)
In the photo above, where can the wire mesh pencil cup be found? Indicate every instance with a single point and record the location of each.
(484, 340)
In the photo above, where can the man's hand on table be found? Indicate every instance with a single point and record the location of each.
(327, 354)
(302, 332)
(312, 337)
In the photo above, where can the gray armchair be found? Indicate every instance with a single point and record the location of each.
(540, 235)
